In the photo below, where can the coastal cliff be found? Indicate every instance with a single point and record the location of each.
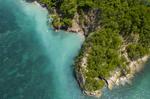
(117, 42)
(71, 15)
(116, 77)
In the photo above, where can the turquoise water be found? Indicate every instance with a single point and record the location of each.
(139, 89)
(37, 63)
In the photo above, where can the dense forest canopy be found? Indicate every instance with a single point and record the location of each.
(120, 24)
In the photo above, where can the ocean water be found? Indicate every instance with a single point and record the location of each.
(139, 89)
(37, 62)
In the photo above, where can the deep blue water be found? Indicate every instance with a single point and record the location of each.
(37, 62)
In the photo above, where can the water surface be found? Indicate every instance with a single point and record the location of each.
(37, 62)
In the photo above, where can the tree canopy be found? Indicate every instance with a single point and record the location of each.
(120, 22)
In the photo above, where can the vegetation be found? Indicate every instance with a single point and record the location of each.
(123, 23)
(136, 51)
(63, 10)
(103, 55)
(120, 23)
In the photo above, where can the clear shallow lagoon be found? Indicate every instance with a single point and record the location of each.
(37, 63)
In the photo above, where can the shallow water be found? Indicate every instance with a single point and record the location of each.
(37, 63)
(139, 89)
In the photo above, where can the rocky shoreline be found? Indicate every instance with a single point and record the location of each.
(116, 78)
(75, 22)
(134, 67)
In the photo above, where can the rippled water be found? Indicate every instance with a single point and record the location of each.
(37, 62)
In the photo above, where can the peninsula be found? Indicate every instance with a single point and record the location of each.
(117, 39)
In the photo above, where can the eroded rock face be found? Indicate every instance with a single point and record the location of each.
(75, 28)
(97, 93)
(90, 22)
(80, 78)
(117, 79)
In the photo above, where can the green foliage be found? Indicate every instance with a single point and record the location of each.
(104, 47)
(126, 18)
(68, 8)
(67, 22)
(136, 51)
(93, 84)
(145, 28)
(56, 21)
(49, 3)
(119, 22)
